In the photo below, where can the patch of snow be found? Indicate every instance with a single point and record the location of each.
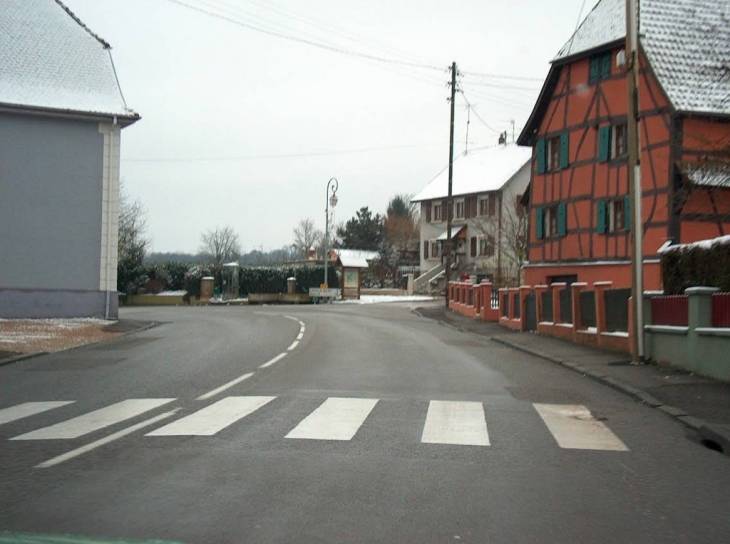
(704, 244)
(376, 299)
(179, 293)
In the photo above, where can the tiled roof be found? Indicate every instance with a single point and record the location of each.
(50, 60)
(708, 174)
(687, 43)
(478, 171)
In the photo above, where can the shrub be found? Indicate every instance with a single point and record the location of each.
(705, 263)
(272, 279)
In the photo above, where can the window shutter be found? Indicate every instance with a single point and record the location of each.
(541, 156)
(627, 212)
(602, 223)
(428, 212)
(604, 143)
(425, 250)
(540, 223)
(594, 71)
(562, 219)
(606, 66)
(492, 203)
(473, 206)
(473, 246)
(490, 249)
(564, 150)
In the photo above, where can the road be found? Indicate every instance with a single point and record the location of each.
(339, 423)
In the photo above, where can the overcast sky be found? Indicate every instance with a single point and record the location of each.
(244, 129)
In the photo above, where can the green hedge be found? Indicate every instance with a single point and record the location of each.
(272, 279)
(706, 265)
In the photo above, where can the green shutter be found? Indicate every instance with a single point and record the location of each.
(562, 219)
(564, 150)
(606, 66)
(602, 224)
(604, 143)
(627, 212)
(540, 223)
(541, 155)
(595, 70)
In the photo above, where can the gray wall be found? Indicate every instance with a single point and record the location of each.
(50, 203)
(30, 303)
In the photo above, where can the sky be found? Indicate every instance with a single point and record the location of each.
(250, 107)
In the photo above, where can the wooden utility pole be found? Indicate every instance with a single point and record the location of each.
(634, 174)
(448, 250)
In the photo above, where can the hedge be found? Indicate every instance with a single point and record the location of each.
(704, 264)
(272, 279)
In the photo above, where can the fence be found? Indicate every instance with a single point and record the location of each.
(670, 310)
(721, 310)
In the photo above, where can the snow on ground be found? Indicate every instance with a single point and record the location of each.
(375, 299)
(180, 293)
(32, 335)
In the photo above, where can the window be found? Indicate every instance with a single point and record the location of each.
(486, 205)
(600, 67)
(620, 140)
(438, 212)
(551, 220)
(459, 209)
(614, 215)
(435, 249)
(553, 153)
(486, 246)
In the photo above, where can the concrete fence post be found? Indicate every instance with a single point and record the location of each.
(539, 290)
(600, 288)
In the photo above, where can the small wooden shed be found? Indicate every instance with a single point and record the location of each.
(352, 262)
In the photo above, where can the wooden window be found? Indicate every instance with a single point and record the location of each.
(438, 212)
(614, 215)
(541, 152)
(620, 140)
(551, 221)
(435, 249)
(484, 205)
(460, 207)
(427, 207)
(486, 246)
(604, 144)
(553, 153)
(600, 67)
(556, 220)
(617, 215)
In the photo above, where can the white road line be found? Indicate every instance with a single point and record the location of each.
(293, 345)
(28, 409)
(93, 421)
(274, 360)
(225, 386)
(574, 427)
(335, 419)
(292, 318)
(460, 423)
(105, 440)
(213, 418)
(300, 336)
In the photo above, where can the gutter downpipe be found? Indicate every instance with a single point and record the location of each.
(107, 306)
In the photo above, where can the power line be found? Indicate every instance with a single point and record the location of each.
(283, 155)
(501, 76)
(306, 41)
(476, 114)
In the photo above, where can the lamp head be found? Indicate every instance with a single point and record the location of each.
(333, 200)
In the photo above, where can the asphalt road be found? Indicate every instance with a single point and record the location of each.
(339, 423)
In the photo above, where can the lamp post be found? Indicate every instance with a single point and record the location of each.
(331, 201)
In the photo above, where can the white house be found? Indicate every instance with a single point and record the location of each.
(61, 114)
(486, 215)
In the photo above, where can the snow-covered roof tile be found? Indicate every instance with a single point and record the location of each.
(50, 60)
(708, 174)
(355, 258)
(687, 43)
(478, 171)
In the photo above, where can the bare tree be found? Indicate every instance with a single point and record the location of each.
(307, 237)
(220, 246)
(132, 244)
(506, 240)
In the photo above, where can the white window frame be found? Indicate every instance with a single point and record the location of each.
(553, 142)
(612, 205)
(551, 211)
(614, 141)
(437, 212)
(485, 200)
(459, 203)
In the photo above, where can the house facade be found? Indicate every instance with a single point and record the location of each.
(487, 218)
(61, 115)
(579, 196)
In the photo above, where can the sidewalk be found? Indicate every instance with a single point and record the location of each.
(701, 404)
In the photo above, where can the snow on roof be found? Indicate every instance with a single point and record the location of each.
(49, 59)
(478, 171)
(454, 232)
(355, 258)
(705, 244)
(687, 43)
(708, 175)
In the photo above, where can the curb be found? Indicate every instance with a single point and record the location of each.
(26, 356)
(705, 431)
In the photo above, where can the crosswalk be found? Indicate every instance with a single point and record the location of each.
(453, 423)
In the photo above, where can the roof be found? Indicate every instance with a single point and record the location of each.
(455, 231)
(355, 258)
(50, 60)
(478, 171)
(708, 174)
(687, 43)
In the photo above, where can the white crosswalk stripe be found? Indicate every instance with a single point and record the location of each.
(27, 409)
(574, 427)
(214, 418)
(335, 419)
(458, 423)
(461, 423)
(93, 421)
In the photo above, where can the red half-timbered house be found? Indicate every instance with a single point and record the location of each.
(579, 204)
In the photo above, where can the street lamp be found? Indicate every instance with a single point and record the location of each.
(331, 201)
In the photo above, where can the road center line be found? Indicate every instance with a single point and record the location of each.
(300, 336)
(293, 346)
(111, 438)
(225, 386)
(274, 360)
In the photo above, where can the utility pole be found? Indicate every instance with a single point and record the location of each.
(634, 175)
(448, 248)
